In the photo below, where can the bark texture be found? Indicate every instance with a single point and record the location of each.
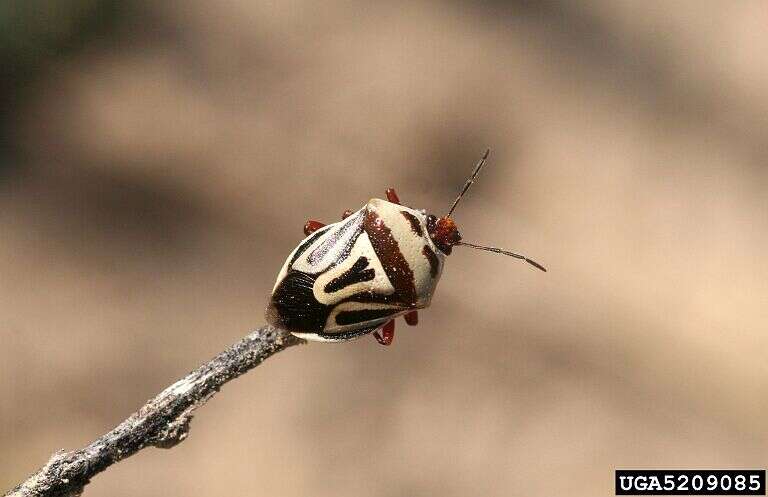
(162, 422)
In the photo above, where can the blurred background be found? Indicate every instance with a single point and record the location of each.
(159, 160)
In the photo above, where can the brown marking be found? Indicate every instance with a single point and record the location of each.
(434, 263)
(388, 252)
(346, 214)
(415, 224)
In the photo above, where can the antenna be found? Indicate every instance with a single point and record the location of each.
(471, 180)
(505, 252)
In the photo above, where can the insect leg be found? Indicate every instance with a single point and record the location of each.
(412, 318)
(392, 196)
(312, 226)
(387, 333)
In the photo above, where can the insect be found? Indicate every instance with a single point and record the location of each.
(354, 277)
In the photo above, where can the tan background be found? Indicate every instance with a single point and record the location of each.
(164, 156)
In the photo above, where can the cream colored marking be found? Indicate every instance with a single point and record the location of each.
(379, 284)
(317, 338)
(411, 246)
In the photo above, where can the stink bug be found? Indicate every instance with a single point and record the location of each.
(356, 276)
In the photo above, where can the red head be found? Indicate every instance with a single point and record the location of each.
(443, 232)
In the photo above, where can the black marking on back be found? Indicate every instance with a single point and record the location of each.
(434, 263)
(293, 306)
(356, 274)
(369, 296)
(415, 224)
(362, 315)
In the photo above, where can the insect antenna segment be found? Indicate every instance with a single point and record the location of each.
(471, 180)
(447, 226)
(504, 252)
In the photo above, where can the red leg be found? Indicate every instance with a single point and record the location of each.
(312, 226)
(387, 333)
(392, 196)
(346, 214)
(412, 318)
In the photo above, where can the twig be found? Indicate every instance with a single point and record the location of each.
(162, 422)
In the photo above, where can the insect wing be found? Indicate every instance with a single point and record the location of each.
(333, 284)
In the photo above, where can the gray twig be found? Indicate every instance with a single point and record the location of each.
(161, 422)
